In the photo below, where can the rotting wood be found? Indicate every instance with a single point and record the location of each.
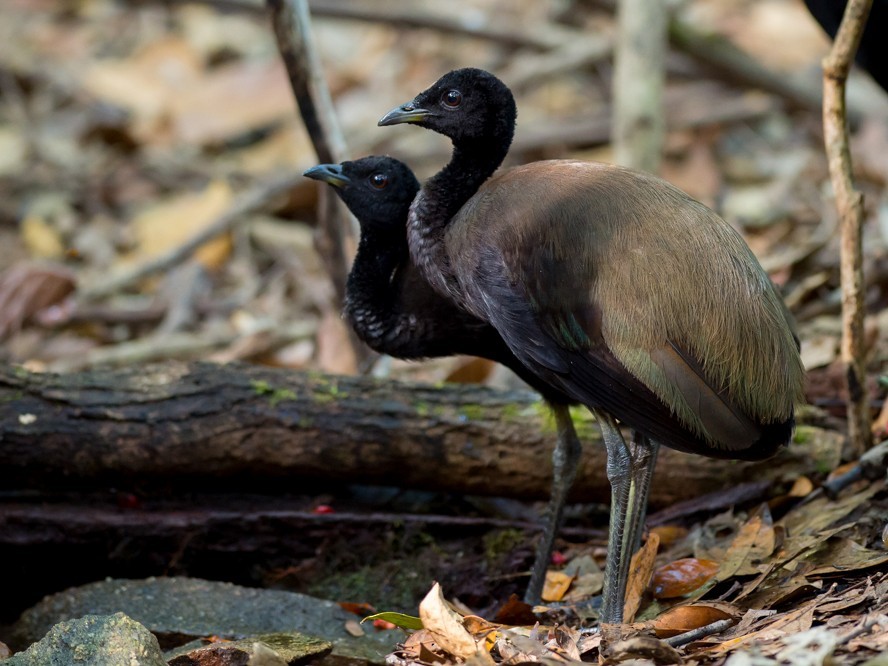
(199, 423)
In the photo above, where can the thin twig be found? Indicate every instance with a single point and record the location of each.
(337, 230)
(253, 199)
(700, 632)
(639, 62)
(850, 206)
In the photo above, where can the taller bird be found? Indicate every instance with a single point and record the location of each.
(611, 285)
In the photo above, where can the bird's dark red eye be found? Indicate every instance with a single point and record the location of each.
(379, 180)
(452, 98)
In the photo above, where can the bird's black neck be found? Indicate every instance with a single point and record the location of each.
(441, 198)
(371, 303)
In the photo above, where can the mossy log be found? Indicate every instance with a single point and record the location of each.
(238, 426)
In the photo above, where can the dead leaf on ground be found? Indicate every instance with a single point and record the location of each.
(515, 612)
(445, 625)
(753, 543)
(640, 571)
(669, 534)
(556, 585)
(839, 555)
(471, 371)
(682, 577)
(645, 648)
(680, 619)
(27, 288)
(168, 224)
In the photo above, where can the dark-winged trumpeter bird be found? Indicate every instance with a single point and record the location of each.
(395, 311)
(614, 287)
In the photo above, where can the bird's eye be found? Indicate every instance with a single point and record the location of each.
(452, 98)
(379, 180)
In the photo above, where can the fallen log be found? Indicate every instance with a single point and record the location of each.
(238, 426)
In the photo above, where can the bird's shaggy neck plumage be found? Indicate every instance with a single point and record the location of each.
(472, 163)
(371, 302)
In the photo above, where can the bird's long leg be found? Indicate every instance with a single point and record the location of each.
(644, 459)
(565, 458)
(616, 567)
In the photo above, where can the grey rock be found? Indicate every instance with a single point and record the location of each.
(93, 640)
(177, 610)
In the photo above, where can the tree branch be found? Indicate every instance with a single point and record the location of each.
(850, 206)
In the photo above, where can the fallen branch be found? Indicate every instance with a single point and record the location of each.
(850, 205)
(337, 231)
(247, 426)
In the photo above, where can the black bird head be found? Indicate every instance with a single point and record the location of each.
(467, 105)
(378, 190)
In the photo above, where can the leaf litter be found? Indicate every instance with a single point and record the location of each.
(814, 597)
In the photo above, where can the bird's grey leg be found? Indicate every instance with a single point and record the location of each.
(565, 459)
(644, 459)
(616, 568)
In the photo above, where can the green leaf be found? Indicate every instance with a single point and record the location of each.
(398, 619)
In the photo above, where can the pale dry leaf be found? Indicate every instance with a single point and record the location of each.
(41, 238)
(640, 571)
(809, 648)
(169, 223)
(556, 586)
(754, 542)
(232, 100)
(27, 288)
(147, 83)
(445, 625)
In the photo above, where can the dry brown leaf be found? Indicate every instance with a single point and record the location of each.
(41, 238)
(471, 371)
(585, 586)
(669, 534)
(232, 100)
(483, 631)
(445, 625)
(168, 224)
(796, 620)
(817, 515)
(147, 83)
(641, 649)
(754, 542)
(682, 577)
(640, 571)
(680, 619)
(515, 612)
(556, 586)
(840, 555)
(801, 487)
(27, 288)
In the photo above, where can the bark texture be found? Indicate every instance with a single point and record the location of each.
(238, 426)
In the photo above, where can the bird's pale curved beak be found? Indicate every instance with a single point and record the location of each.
(406, 113)
(328, 173)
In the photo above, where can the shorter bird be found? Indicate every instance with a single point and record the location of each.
(395, 311)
